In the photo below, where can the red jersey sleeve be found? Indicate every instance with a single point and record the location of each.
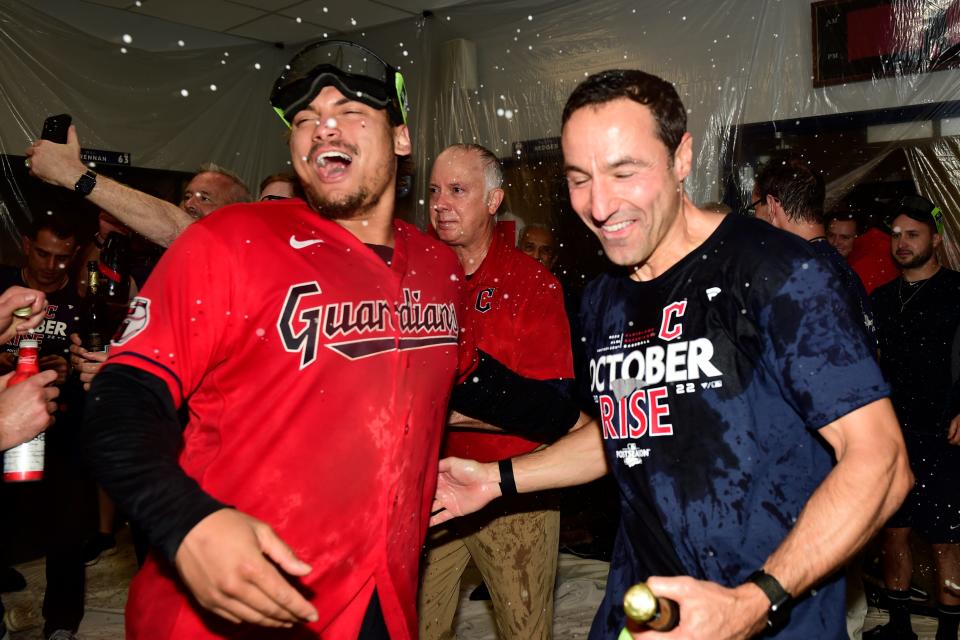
(176, 327)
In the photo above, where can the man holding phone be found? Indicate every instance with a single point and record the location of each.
(157, 220)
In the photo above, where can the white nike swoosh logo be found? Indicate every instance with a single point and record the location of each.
(954, 527)
(303, 244)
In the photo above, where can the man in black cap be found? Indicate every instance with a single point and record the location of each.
(918, 317)
(317, 343)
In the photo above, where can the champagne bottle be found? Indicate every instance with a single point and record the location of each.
(115, 279)
(95, 334)
(115, 269)
(645, 611)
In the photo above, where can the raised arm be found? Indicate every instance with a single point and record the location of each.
(153, 218)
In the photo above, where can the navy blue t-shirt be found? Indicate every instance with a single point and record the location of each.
(851, 283)
(711, 382)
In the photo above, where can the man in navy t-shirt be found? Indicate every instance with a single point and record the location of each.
(789, 195)
(729, 370)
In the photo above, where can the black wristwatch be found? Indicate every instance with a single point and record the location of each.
(86, 183)
(778, 596)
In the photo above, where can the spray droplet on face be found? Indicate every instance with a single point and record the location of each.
(331, 123)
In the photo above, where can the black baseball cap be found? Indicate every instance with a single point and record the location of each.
(353, 69)
(921, 210)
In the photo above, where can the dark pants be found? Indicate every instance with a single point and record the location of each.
(69, 508)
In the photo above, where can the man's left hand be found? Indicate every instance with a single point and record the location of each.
(953, 432)
(55, 363)
(710, 611)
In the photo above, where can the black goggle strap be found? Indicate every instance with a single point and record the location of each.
(328, 78)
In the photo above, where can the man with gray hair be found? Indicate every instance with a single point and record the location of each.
(210, 188)
(515, 309)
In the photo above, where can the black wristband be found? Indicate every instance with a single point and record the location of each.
(779, 598)
(508, 486)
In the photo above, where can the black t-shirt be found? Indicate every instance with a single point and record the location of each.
(711, 382)
(917, 324)
(63, 316)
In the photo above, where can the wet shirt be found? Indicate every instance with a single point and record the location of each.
(515, 307)
(317, 377)
(711, 382)
(61, 318)
(850, 282)
(917, 327)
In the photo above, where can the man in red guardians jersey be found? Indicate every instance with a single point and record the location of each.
(315, 344)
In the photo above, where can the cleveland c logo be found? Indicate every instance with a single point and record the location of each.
(483, 299)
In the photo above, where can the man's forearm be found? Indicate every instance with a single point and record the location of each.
(155, 219)
(132, 440)
(457, 420)
(576, 458)
(533, 409)
(864, 489)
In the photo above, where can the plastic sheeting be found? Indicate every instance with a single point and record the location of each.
(498, 73)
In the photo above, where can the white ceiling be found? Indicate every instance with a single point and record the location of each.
(222, 22)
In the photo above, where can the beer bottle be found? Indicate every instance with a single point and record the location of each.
(95, 333)
(645, 611)
(24, 462)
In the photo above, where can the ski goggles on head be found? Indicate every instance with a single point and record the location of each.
(355, 71)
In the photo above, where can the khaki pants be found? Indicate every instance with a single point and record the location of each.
(514, 544)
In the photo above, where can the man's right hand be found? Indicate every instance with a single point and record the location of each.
(57, 164)
(227, 561)
(463, 486)
(25, 409)
(87, 363)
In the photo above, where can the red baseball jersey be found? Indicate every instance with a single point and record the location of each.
(317, 379)
(516, 314)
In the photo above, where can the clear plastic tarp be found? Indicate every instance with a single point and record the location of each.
(863, 89)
